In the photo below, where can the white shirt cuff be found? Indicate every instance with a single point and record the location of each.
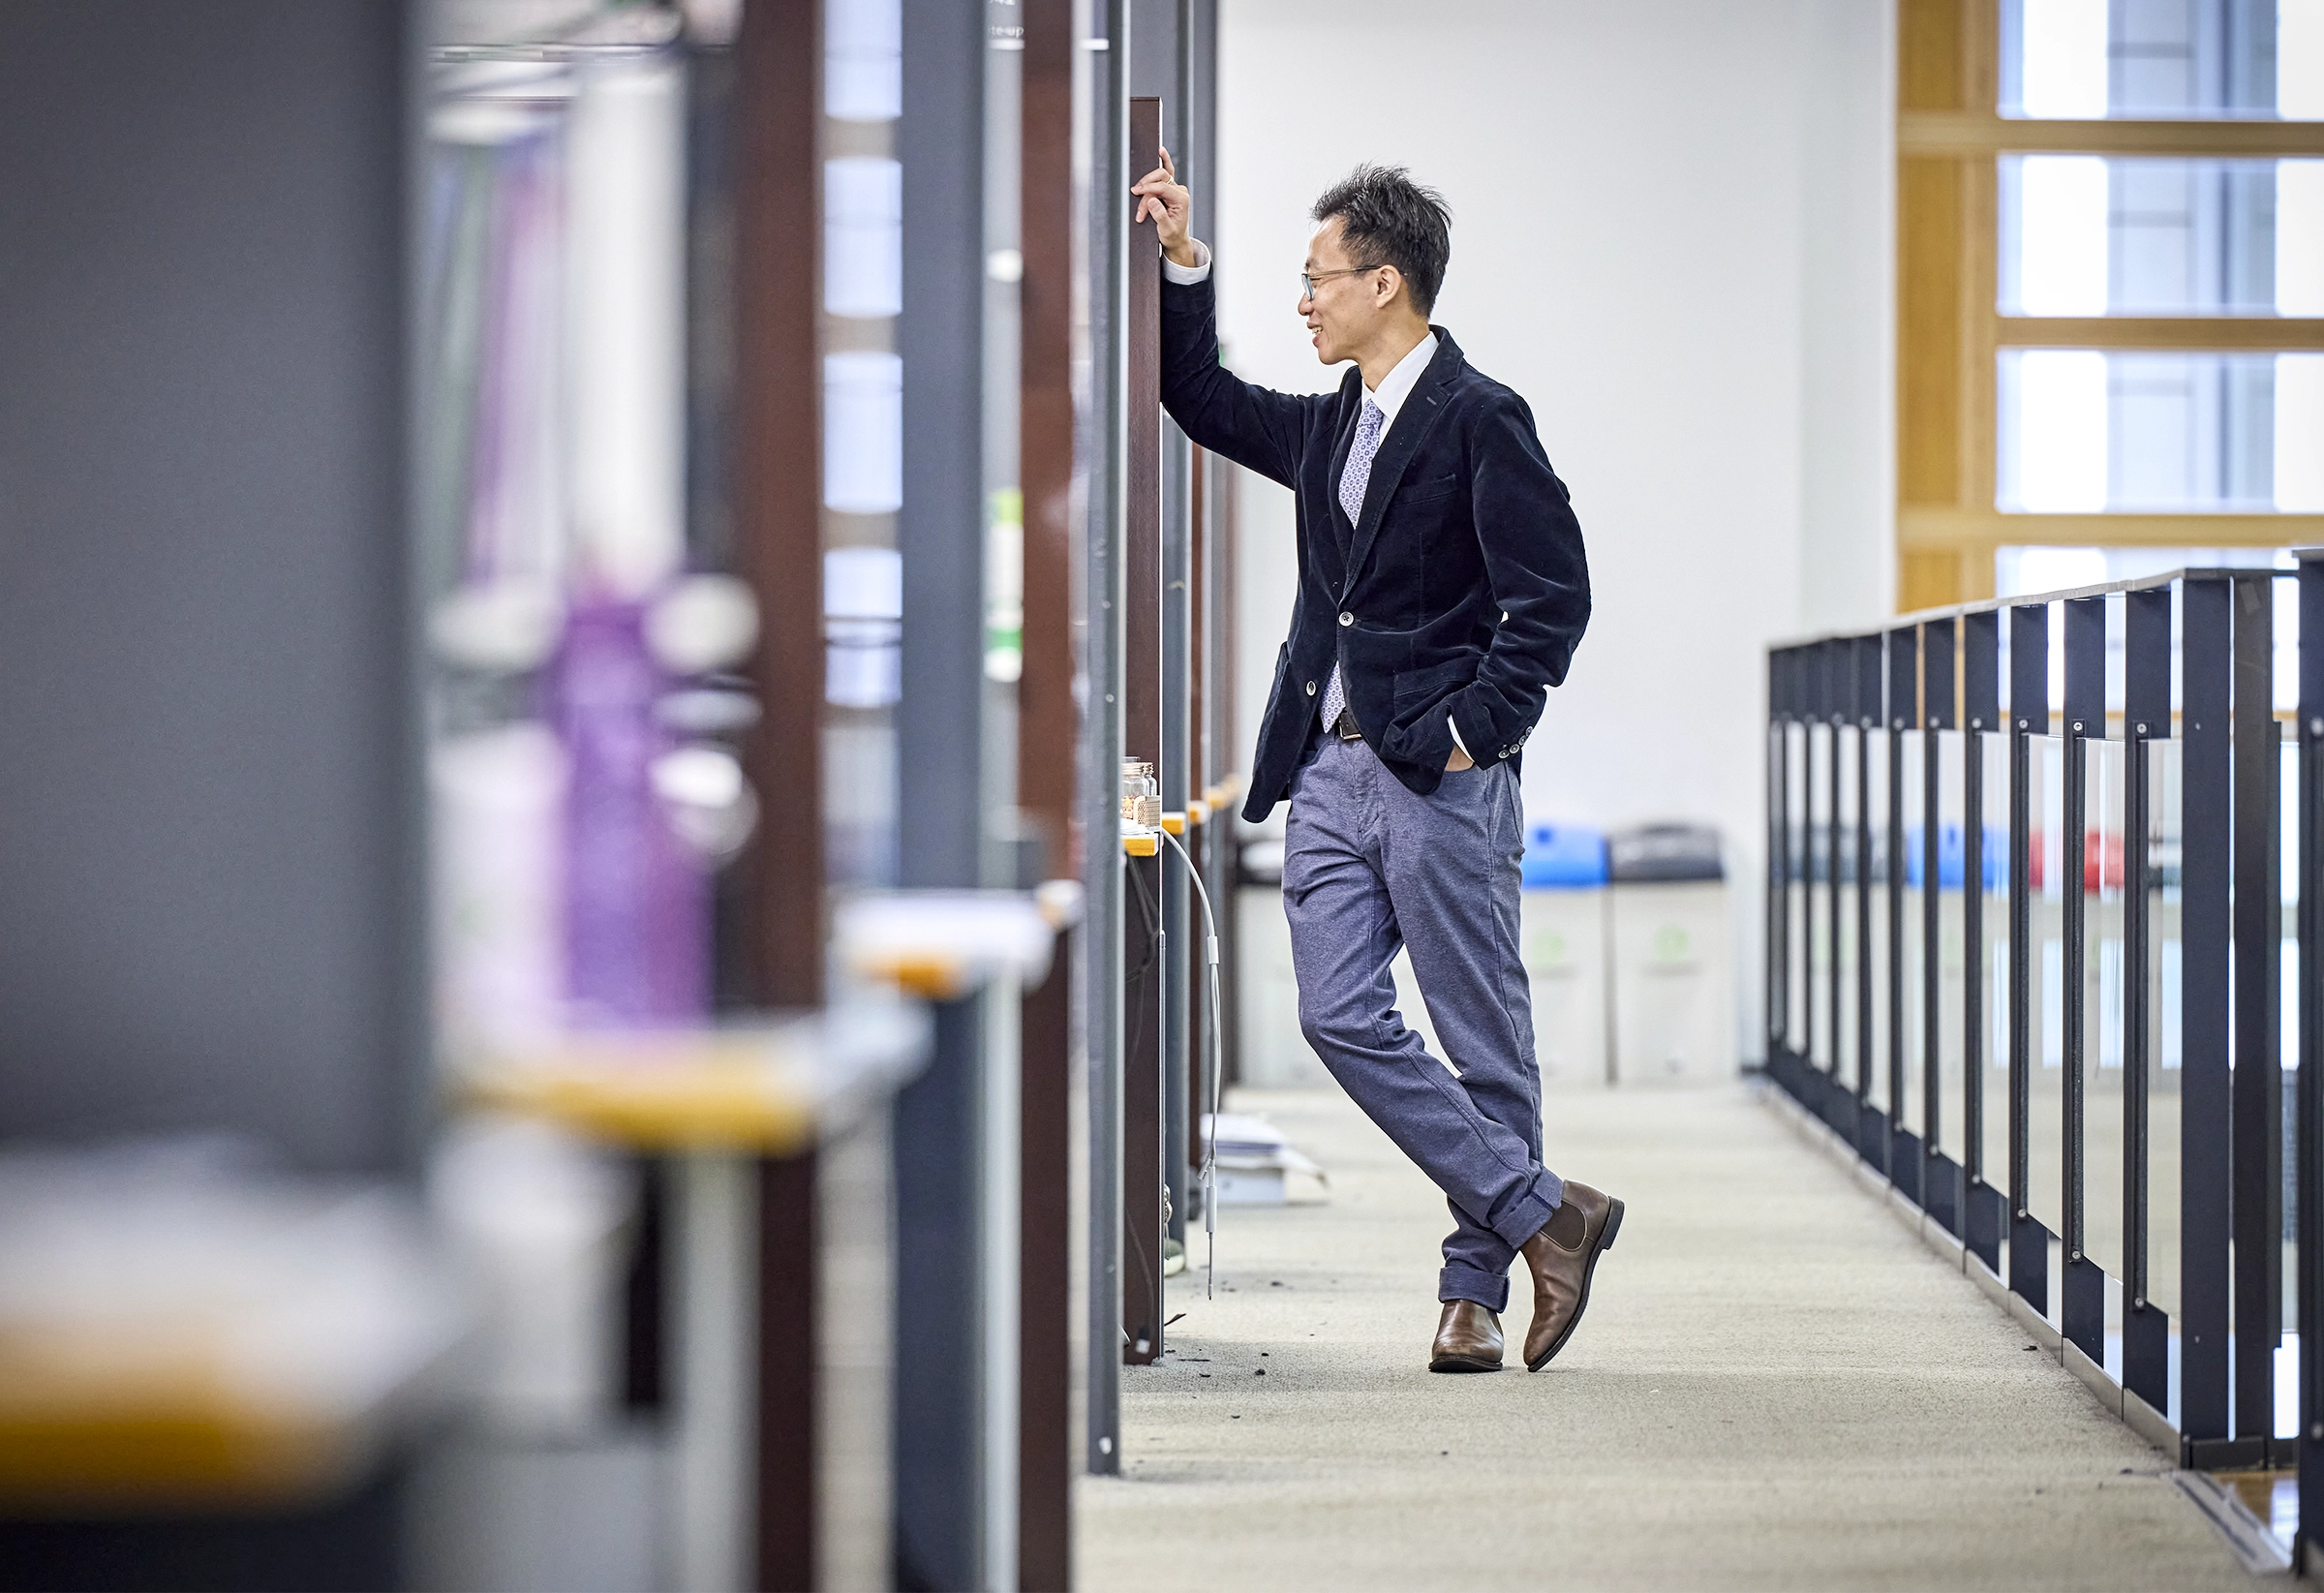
(1186, 276)
(1458, 742)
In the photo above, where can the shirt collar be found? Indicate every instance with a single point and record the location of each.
(1396, 386)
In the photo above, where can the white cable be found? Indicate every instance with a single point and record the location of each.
(1210, 1079)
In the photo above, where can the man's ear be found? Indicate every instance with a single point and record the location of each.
(1386, 285)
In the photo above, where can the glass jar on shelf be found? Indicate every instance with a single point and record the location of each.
(1141, 795)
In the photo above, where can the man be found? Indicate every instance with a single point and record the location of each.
(1442, 591)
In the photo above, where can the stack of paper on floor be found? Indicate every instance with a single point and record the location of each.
(1257, 1166)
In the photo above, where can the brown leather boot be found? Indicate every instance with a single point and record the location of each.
(1561, 1257)
(1468, 1339)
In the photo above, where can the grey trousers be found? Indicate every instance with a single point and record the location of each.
(1369, 866)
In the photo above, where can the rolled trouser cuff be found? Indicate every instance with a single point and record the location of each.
(1460, 1281)
(1525, 1215)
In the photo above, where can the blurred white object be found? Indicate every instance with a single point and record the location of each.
(625, 319)
(710, 804)
(541, 1219)
(944, 943)
(862, 626)
(862, 237)
(713, 23)
(507, 625)
(863, 432)
(1060, 902)
(498, 800)
(1258, 1166)
(177, 1322)
(863, 60)
(702, 623)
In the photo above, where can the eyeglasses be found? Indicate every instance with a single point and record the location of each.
(1309, 279)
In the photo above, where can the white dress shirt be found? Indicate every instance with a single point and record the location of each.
(1395, 388)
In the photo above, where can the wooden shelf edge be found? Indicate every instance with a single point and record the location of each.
(1971, 132)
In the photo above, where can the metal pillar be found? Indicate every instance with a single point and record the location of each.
(1981, 1204)
(2028, 718)
(1157, 68)
(777, 108)
(2310, 995)
(1046, 758)
(1100, 120)
(2257, 928)
(1869, 681)
(948, 1499)
(1903, 1159)
(1145, 1079)
(2145, 720)
(1831, 663)
(2082, 1310)
(2205, 1112)
(214, 851)
(1779, 819)
(1940, 1177)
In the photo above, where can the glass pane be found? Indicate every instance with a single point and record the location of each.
(1846, 1042)
(2086, 431)
(2046, 880)
(1795, 892)
(1881, 950)
(1952, 948)
(2102, 1004)
(1911, 943)
(1773, 991)
(2163, 839)
(1819, 896)
(1995, 1074)
(2095, 236)
(2082, 59)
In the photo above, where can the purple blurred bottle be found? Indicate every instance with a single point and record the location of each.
(636, 904)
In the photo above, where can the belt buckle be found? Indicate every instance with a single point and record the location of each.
(1346, 728)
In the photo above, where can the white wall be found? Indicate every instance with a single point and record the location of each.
(1671, 234)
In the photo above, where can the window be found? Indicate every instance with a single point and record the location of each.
(2110, 280)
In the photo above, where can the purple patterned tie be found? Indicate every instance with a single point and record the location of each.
(1352, 482)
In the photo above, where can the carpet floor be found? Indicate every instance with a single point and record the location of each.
(1776, 1387)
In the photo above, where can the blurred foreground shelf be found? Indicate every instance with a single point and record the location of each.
(770, 1088)
(182, 1444)
(187, 1327)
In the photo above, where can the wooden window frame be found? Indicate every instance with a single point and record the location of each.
(1950, 331)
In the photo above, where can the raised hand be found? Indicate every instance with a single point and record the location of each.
(1164, 198)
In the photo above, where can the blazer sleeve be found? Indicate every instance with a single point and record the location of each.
(1538, 576)
(1256, 427)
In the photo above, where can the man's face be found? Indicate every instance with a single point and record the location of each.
(1346, 304)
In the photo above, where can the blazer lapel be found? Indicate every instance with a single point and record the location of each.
(1424, 407)
(1351, 408)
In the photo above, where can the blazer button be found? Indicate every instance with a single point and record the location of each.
(1347, 619)
(1311, 688)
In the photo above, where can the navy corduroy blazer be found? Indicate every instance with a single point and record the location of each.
(1462, 588)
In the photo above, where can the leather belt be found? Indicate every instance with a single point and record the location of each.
(1346, 729)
